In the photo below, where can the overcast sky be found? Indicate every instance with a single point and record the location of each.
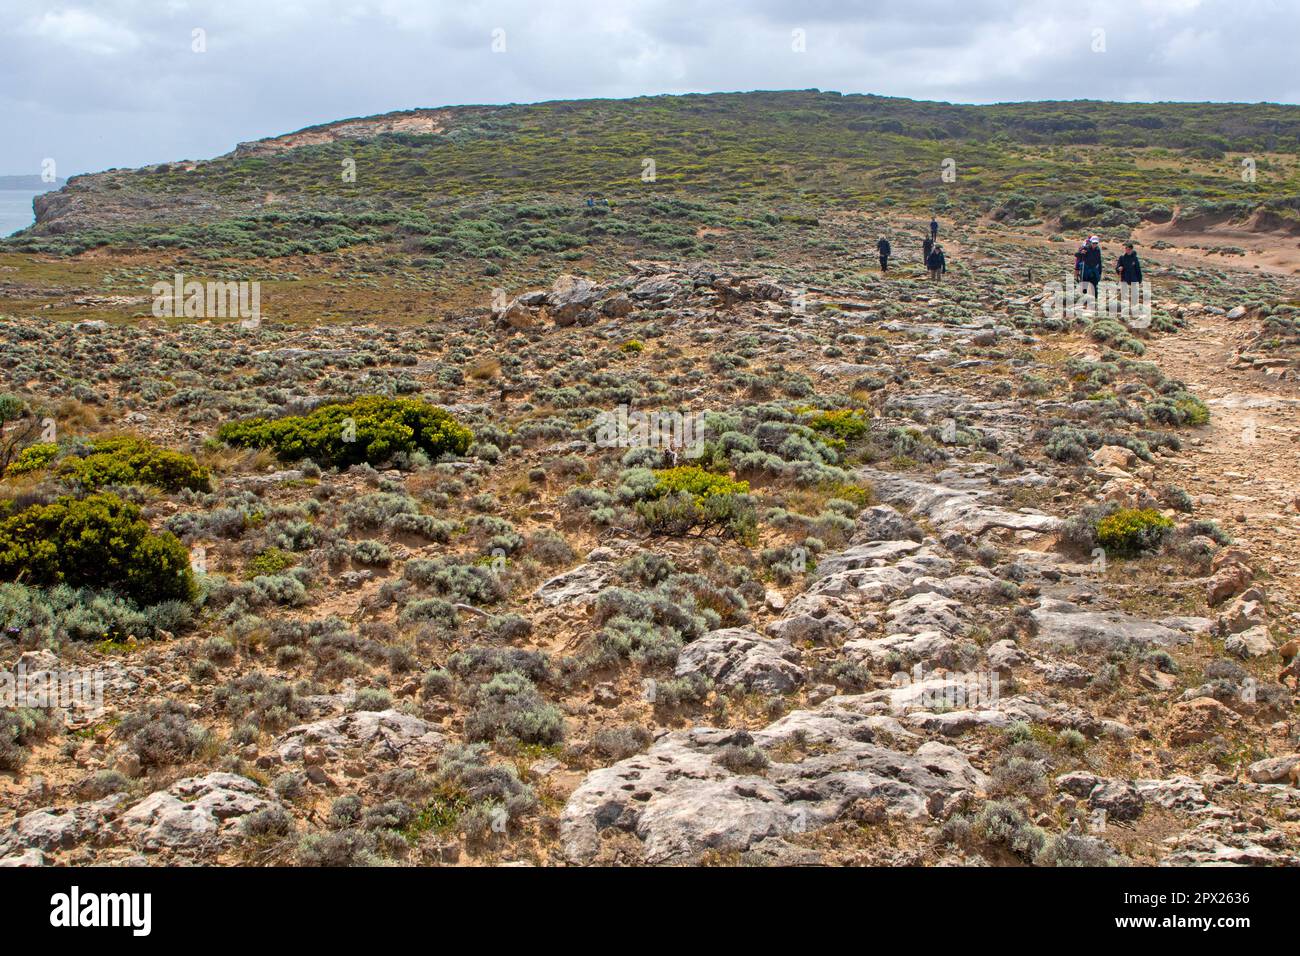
(118, 82)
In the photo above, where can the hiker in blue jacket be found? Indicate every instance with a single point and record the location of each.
(1091, 265)
(934, 228)
(936, 263)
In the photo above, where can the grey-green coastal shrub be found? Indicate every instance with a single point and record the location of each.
(509, 705)
(43, 615)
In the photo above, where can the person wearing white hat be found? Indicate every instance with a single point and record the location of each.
(1090, 273)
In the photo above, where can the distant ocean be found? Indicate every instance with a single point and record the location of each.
(16, 209)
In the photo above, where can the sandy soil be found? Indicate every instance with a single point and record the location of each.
(1244, 466)
(1276, 252)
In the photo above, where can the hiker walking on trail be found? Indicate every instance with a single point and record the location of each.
(882, 247)
(926, 248)
(934, 229)
(936, 263)
(1128, 267)
(1090, 270)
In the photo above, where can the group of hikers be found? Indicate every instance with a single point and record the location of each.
(1087, 260)
(931, 252)
(1087, 264)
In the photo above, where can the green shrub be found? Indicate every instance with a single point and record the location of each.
(695, 481)
(691, 689)
(271, 561)
(20, 424)
(844, 423)
(341, 848)
(859, 495)
(1068, 444)
(1132, 531)
(1004, 824)
(1183, 408)
(1068, 849)
(163, 734)
(126, 460)
(456, 582)
(1210, 529)
(372, 698)
(33, 458)
(371, 429)
(681, 514)
(688, 498)
(101, 542)
(372, 553)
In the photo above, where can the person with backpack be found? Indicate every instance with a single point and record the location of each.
(934, 229)
(936, 264)
(1078, 260)
(926, 248)
(883, 248)
(1090, 269)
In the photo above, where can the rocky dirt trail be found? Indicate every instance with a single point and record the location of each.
(1243, 468)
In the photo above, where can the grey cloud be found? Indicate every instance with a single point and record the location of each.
(114, 82)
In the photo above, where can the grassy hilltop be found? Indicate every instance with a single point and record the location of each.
(502, 184)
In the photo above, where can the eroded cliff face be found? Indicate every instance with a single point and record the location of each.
(424, 122)
(105, 201)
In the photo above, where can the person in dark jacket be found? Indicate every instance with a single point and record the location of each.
(1127, 265)
(934, 228)
(936, 263)
(1091, 270)
(882, 247)
(1078, 261)
(926, 248)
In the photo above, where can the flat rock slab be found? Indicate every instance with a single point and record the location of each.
(867, 555)
(1066, 626)
(927, 611)
(195, 812)
(32, 857)
(680, 800)
(908, 649)
(738, 657)
(955, 503)
(1252, 642)
(883, 523)
(879, 582)
(577, 586)
(55, 828)
(852, 368)
(383, 734)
